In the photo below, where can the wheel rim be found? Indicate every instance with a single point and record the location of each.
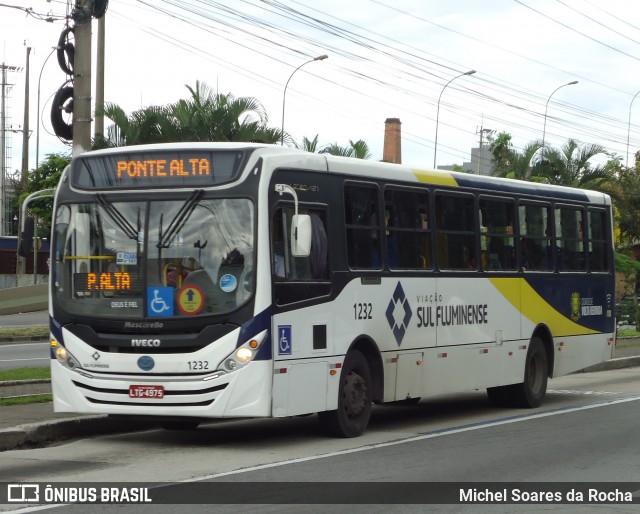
(355, 394)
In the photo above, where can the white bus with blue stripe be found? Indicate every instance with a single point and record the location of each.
(218, 280)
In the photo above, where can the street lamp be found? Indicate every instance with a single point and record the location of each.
(319, 58)
(544, 131)
(38, 113)
(629, 126)
(435, 146)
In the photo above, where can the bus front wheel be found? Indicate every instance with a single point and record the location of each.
(354, 399)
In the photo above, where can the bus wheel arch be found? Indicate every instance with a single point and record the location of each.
(369, 349)
(543, 333)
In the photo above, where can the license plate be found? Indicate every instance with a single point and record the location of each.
(146, 391)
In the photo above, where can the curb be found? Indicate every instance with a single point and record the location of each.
(17, 388)
(23, 339)
(620, 363)
(36, 435)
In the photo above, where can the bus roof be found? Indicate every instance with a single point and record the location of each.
(363, 169)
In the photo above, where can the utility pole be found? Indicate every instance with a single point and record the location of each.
(82, 78)
(25, 124)
(3, 136)
(3, 141)
(99, 121)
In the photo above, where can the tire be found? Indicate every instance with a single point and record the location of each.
(66, 50)
(62, 101)
(531, 392)
(354, 399)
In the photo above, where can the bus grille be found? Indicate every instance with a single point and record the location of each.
(122, 396)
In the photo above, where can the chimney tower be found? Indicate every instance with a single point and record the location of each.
(392, 151)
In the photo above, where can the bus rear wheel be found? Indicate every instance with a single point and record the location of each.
(354, 399)
(532, 390)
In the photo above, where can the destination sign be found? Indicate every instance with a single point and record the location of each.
(163, 168)
(106, 281)
(131, 169)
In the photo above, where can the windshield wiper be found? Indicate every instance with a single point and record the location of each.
(179, 219)
(117, 216)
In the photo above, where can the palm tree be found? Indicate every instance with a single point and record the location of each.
(147, 125)
(204, 116)
(358, 149)
(308, 145)
(511, 163)
(570, 166)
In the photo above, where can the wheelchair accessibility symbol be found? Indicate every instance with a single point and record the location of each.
(160, 301)
(284, 340)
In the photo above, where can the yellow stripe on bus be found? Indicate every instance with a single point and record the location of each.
(440, 178)
(532, 306)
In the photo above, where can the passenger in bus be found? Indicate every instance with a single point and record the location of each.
(531, 255)
(392, 252)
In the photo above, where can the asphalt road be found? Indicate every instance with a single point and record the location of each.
(23, 355)
(38, 318)
(27, 354)
(585, 434)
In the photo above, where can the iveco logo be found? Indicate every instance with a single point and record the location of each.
(146, 342)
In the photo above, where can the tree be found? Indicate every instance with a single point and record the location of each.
(308, 145)
(358, 150)
(628, 205)
(570, 166)
(204, 116)
(508, 162)
(45, 176)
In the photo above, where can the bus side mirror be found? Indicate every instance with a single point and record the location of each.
(301, 235)
(25, 245)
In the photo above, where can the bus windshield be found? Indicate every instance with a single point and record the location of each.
(156, 259)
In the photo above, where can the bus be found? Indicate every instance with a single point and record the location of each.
(228, 280)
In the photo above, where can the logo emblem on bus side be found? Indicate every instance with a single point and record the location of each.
(399, 299)
(146, 363)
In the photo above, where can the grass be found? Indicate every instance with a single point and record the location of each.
(39, 331)
(628, 332)
(25, 373)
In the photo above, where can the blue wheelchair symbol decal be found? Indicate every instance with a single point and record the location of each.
(160, 301)
(284, 340)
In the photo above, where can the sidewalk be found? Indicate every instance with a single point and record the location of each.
(30, 426)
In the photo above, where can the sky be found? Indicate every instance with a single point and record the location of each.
(386, 59)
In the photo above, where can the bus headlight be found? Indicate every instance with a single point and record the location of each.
(64, 357)
(244, 354)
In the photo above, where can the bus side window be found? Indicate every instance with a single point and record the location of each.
(319, 248)
(285, 266)
(407, 228)
(279, 243)
(455, 231)
(496, 234)
(362, 226)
